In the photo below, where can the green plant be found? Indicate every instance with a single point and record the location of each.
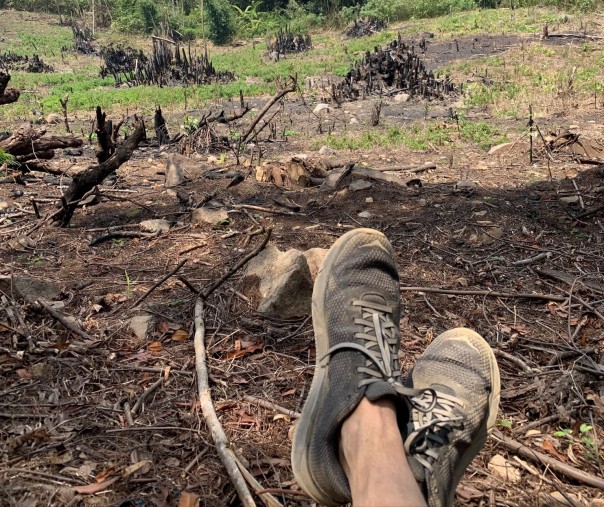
(589, 446)
(130, 283)
(6, 158)
(505, 423)
(221, 21)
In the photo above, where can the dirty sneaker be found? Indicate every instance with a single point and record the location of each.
(355, 310)
(457, 383)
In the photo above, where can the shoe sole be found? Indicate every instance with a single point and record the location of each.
(305, 425)
(494, 397)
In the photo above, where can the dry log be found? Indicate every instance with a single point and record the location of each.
(161, 130)
(365, 172)
(413, 168)
(7, 95)
(86, 180)
(29, 141)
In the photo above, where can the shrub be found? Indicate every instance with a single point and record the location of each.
(220, 20)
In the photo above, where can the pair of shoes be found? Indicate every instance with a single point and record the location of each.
(445, 407)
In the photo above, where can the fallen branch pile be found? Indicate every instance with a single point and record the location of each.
(365, 26)
(168, 65)
(397, 68)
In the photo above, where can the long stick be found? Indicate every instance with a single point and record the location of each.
(527, 453)
(492, 293)
(57, 316)
(159, 282)
(209, 414)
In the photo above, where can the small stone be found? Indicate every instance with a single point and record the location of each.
(357, 185)
(140, 325)
(209, 216)
(571, 199)
(369, 200)
(465, 186)
(73, 152)
(423, 202)
(327, 151)
(4, 205)
(322, 107)
(364, 214)
(54, 118)
(401, 97)
(354, 121)
(155, 225)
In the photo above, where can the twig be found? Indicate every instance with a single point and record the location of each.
(150, 390)
(530, 260)
(57, 316)
(128, 414)
(188, 285)
(280, 94)
(191, 248)
(122, 234)
(536, 424)
(159, 282)
(197, 457)
(516, 360)
(206, 293)
(527, 453)
(432, 307)
(272, 406)
(265, 210)
(268, 499)
(209, 414)
(279, 491)
(491, 293)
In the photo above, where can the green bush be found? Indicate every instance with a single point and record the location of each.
(137, 16)
(398, 10)
(221, 21)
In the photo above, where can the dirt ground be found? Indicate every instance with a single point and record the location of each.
(63, 421)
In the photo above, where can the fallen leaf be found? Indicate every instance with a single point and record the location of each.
(502, 468)
(129, 470)
(188, 499)
(23, 373)
(155, 346)
(276, 417)
(180, 335)
(289, 392)
(549, 448)
(164, 327)
(95, 487)
(103, 474)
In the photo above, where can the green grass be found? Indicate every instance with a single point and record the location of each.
(418, 137)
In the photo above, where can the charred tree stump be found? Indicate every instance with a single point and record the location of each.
(104, 136)
(86, 180)
(7, 95)
(375, 114)
(161, 130)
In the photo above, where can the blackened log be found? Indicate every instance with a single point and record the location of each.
(86, 180)
(161, 130)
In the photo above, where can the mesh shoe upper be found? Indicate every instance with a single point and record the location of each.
(457, 384)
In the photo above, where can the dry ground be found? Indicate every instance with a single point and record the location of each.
(62, 417)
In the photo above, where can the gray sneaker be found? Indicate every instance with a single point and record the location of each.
(355, 310)
(457, 379)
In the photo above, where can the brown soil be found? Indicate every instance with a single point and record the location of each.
(62, 416)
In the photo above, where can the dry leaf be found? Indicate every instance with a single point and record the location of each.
(103, 474)
(155, 346)
(289, 392)
(163, 327)
(549, 448)
(129, 470)
(276, 417)
(95, 487)
(188, 499)
(180, 335)
(502, 468)
(23, 373)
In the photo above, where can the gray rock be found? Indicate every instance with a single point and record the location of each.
(354, 121)
(155, 225)
(314, 258)
(280, 281)
(29, 288)
(322, 107)
(357, 185)
(364, 214)
(569, 200)
(209, 216)
(327, 151)
(140, 325)
(401, 97)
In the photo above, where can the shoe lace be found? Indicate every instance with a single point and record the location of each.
(380, 345)
(433, 416)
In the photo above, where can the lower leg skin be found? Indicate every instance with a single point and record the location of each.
(373, 457)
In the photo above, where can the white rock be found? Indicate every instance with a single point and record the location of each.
(322, 107)
(401, 97)
(155, 225)
(364, 214)
(140, 325)
(354, 121)
(369, 200)
(209, 216)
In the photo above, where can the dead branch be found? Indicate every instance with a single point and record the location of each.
(279, 95)
(268, 499)
(88, 179)
(146, 393)
(69, 325)
(488, 293)
(237, 266)
(159, 282)
(378, 175)
(527, 453)
(207, 408)
(272, 406)
(122, 234)
(413, 168)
